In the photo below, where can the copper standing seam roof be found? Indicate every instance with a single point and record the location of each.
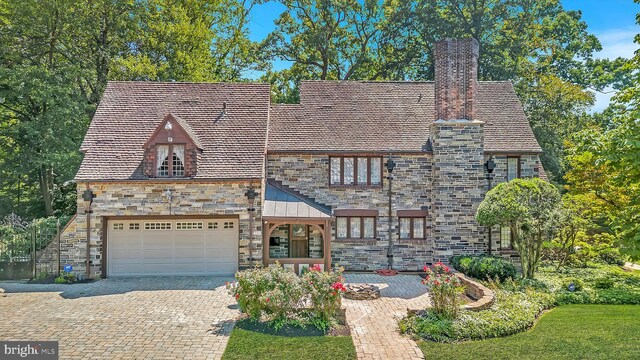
(333, 116)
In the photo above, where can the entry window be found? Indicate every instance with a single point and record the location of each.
(228, 225)
(188, 226)
(355, 227)
(157, 226)
(170, 160)
(118, 226)
(506, 238)
(212, 225)
(412, 227)
(513, 168)
(134, 226)
(355, 171)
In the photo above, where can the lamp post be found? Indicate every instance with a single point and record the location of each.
(489, 166)
(88, 197)
(390, 166)
(251, 195)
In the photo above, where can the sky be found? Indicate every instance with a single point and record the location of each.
(612, 21)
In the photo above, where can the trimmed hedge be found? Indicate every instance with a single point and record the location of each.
(484, 267)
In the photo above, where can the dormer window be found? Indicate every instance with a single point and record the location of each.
(170, 160)
(173, 149)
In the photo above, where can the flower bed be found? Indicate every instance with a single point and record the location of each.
(278, 296)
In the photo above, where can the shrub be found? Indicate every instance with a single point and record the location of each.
(323, 289)
(445, 288)
(484, 267)
(66, 279)
(611, 256)
(280, 297)
(603, 283)
(572, 284)
(511, 313)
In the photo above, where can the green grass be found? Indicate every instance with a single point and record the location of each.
(251, 341)
(566, 332)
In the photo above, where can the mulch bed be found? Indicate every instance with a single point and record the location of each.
(51, 279)
(387, 272)
(289, 330)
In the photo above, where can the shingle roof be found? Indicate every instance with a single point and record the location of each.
(129, 112)
(187, 128)
(356, 116)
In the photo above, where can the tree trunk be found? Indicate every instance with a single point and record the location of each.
(46, 185)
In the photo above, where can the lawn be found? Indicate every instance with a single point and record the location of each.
(566, 332)
(249, 341)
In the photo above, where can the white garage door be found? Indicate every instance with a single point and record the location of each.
(172, 247)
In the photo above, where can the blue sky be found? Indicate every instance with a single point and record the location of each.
(612, 21)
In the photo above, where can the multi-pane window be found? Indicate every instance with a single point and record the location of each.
(212, 225)
(134, 226)
(228, 225)
(513, 168)
(157, 226)
(411, 227)
(355, 227)
(506, 240)
(170, 160)
(188, 225)
(356, 171)
(118, 226)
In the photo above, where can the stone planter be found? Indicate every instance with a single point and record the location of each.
(362, 292)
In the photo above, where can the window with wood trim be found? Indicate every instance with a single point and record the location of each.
(506, 238)
(170, 160)
(355, 227)
(412, 227)
(513, 167)
(355, 170)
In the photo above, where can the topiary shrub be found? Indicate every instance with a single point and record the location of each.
(484, 267)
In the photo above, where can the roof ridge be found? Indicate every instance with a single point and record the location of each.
(187, 82)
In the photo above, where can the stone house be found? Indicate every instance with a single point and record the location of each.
(185, 178)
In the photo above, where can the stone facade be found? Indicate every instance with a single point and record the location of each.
(309, 174)
(458, 187)
(147, 199)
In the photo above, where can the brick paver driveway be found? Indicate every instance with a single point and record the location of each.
(374, 323)
(130, 318)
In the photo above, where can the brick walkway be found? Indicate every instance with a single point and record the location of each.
(374, 322)
(134, 318)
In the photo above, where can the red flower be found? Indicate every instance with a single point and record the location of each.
(446, 269)
(268, 299)
(316, 267)
(425, 268)
(436, 282)
(338, 286)
(447, 279)
(237, 296)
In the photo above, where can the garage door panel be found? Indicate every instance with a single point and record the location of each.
(166, 247)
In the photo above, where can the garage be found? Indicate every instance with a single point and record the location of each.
(172, 247)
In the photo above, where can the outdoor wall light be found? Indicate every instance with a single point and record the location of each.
(390, 164)
(88, 197)
(490, 165)
(251, 195)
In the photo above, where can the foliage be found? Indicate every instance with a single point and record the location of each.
(599, 284)
(528, 207)
(16, 235)
(66, 279)
(567, 332)
(512, 312)
(324, 290)
(445, 289)
(277, 295)
(604, 163)
(484, 267)
(248, 341)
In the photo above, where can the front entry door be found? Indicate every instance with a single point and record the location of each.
(299, 241)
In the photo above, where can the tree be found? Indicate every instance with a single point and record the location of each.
(527, 207)
(196, 40)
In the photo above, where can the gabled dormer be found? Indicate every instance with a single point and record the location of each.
(172, 150)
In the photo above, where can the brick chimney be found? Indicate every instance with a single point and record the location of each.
(456, 79)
